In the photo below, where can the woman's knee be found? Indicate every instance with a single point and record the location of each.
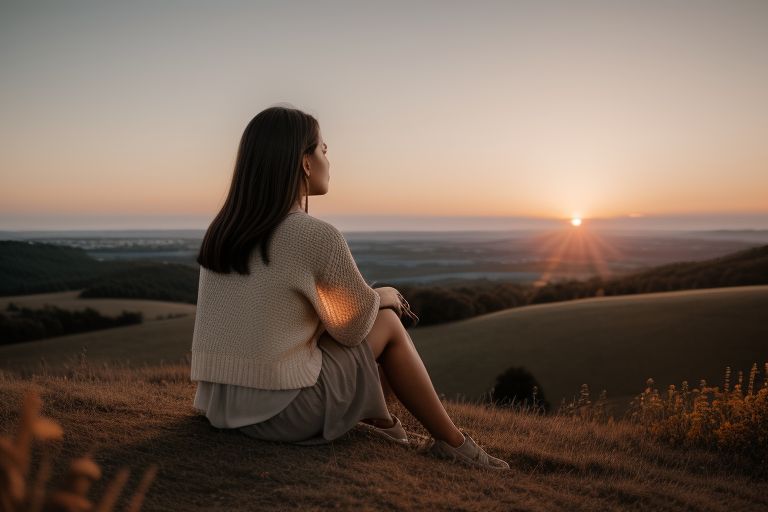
(384, 331)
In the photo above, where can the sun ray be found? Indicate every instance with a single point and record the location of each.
(596, 255)
(554, 261)
(571, 253)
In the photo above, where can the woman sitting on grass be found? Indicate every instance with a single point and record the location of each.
(288, 334)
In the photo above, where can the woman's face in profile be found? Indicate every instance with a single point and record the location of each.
(318, 166)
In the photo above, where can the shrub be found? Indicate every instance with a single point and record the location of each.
(517, 387)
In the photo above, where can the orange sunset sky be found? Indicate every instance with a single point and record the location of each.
(128, 114)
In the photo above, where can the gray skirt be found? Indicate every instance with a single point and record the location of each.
(347, 390)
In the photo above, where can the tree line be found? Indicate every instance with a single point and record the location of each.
(27, 324)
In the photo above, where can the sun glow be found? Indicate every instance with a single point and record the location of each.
(574, 251)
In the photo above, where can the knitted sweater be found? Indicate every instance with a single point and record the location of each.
(261, 330)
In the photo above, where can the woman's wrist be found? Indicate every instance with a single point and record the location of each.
(386, 300)
(382, 298)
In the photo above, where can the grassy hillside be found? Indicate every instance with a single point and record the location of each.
(612, 343)
(135, 345)
(135, 418)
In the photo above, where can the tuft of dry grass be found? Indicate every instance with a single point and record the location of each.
(585, 409)
(19, 492)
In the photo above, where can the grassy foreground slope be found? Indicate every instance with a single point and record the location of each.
(141, 416)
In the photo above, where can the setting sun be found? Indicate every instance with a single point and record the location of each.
(576, 221)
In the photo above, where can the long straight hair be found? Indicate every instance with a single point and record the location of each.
(266, 183)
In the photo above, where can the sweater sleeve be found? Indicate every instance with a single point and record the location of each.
(346, 304)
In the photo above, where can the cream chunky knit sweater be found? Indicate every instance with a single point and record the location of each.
(261, 330)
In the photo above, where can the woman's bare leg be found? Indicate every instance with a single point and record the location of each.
(407, 377)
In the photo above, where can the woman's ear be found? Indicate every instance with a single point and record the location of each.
(305, 162)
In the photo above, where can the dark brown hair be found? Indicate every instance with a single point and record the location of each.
(266, 183)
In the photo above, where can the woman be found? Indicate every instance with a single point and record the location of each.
(288, 334)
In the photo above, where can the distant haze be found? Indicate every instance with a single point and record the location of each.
(368, 223)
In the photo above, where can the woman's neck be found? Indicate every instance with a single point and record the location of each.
(297, 207)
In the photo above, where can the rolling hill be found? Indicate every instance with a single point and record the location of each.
(613, 343)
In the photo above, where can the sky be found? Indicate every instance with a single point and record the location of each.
(128, 114)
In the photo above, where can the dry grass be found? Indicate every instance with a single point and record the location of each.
(19, 492)
(734, 420)
(136, 417)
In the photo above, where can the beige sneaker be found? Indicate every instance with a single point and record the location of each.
(468, 453)
(396, 433)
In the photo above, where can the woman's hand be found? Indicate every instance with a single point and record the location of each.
(390, 298)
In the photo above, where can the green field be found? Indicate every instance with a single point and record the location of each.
(612, 343)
